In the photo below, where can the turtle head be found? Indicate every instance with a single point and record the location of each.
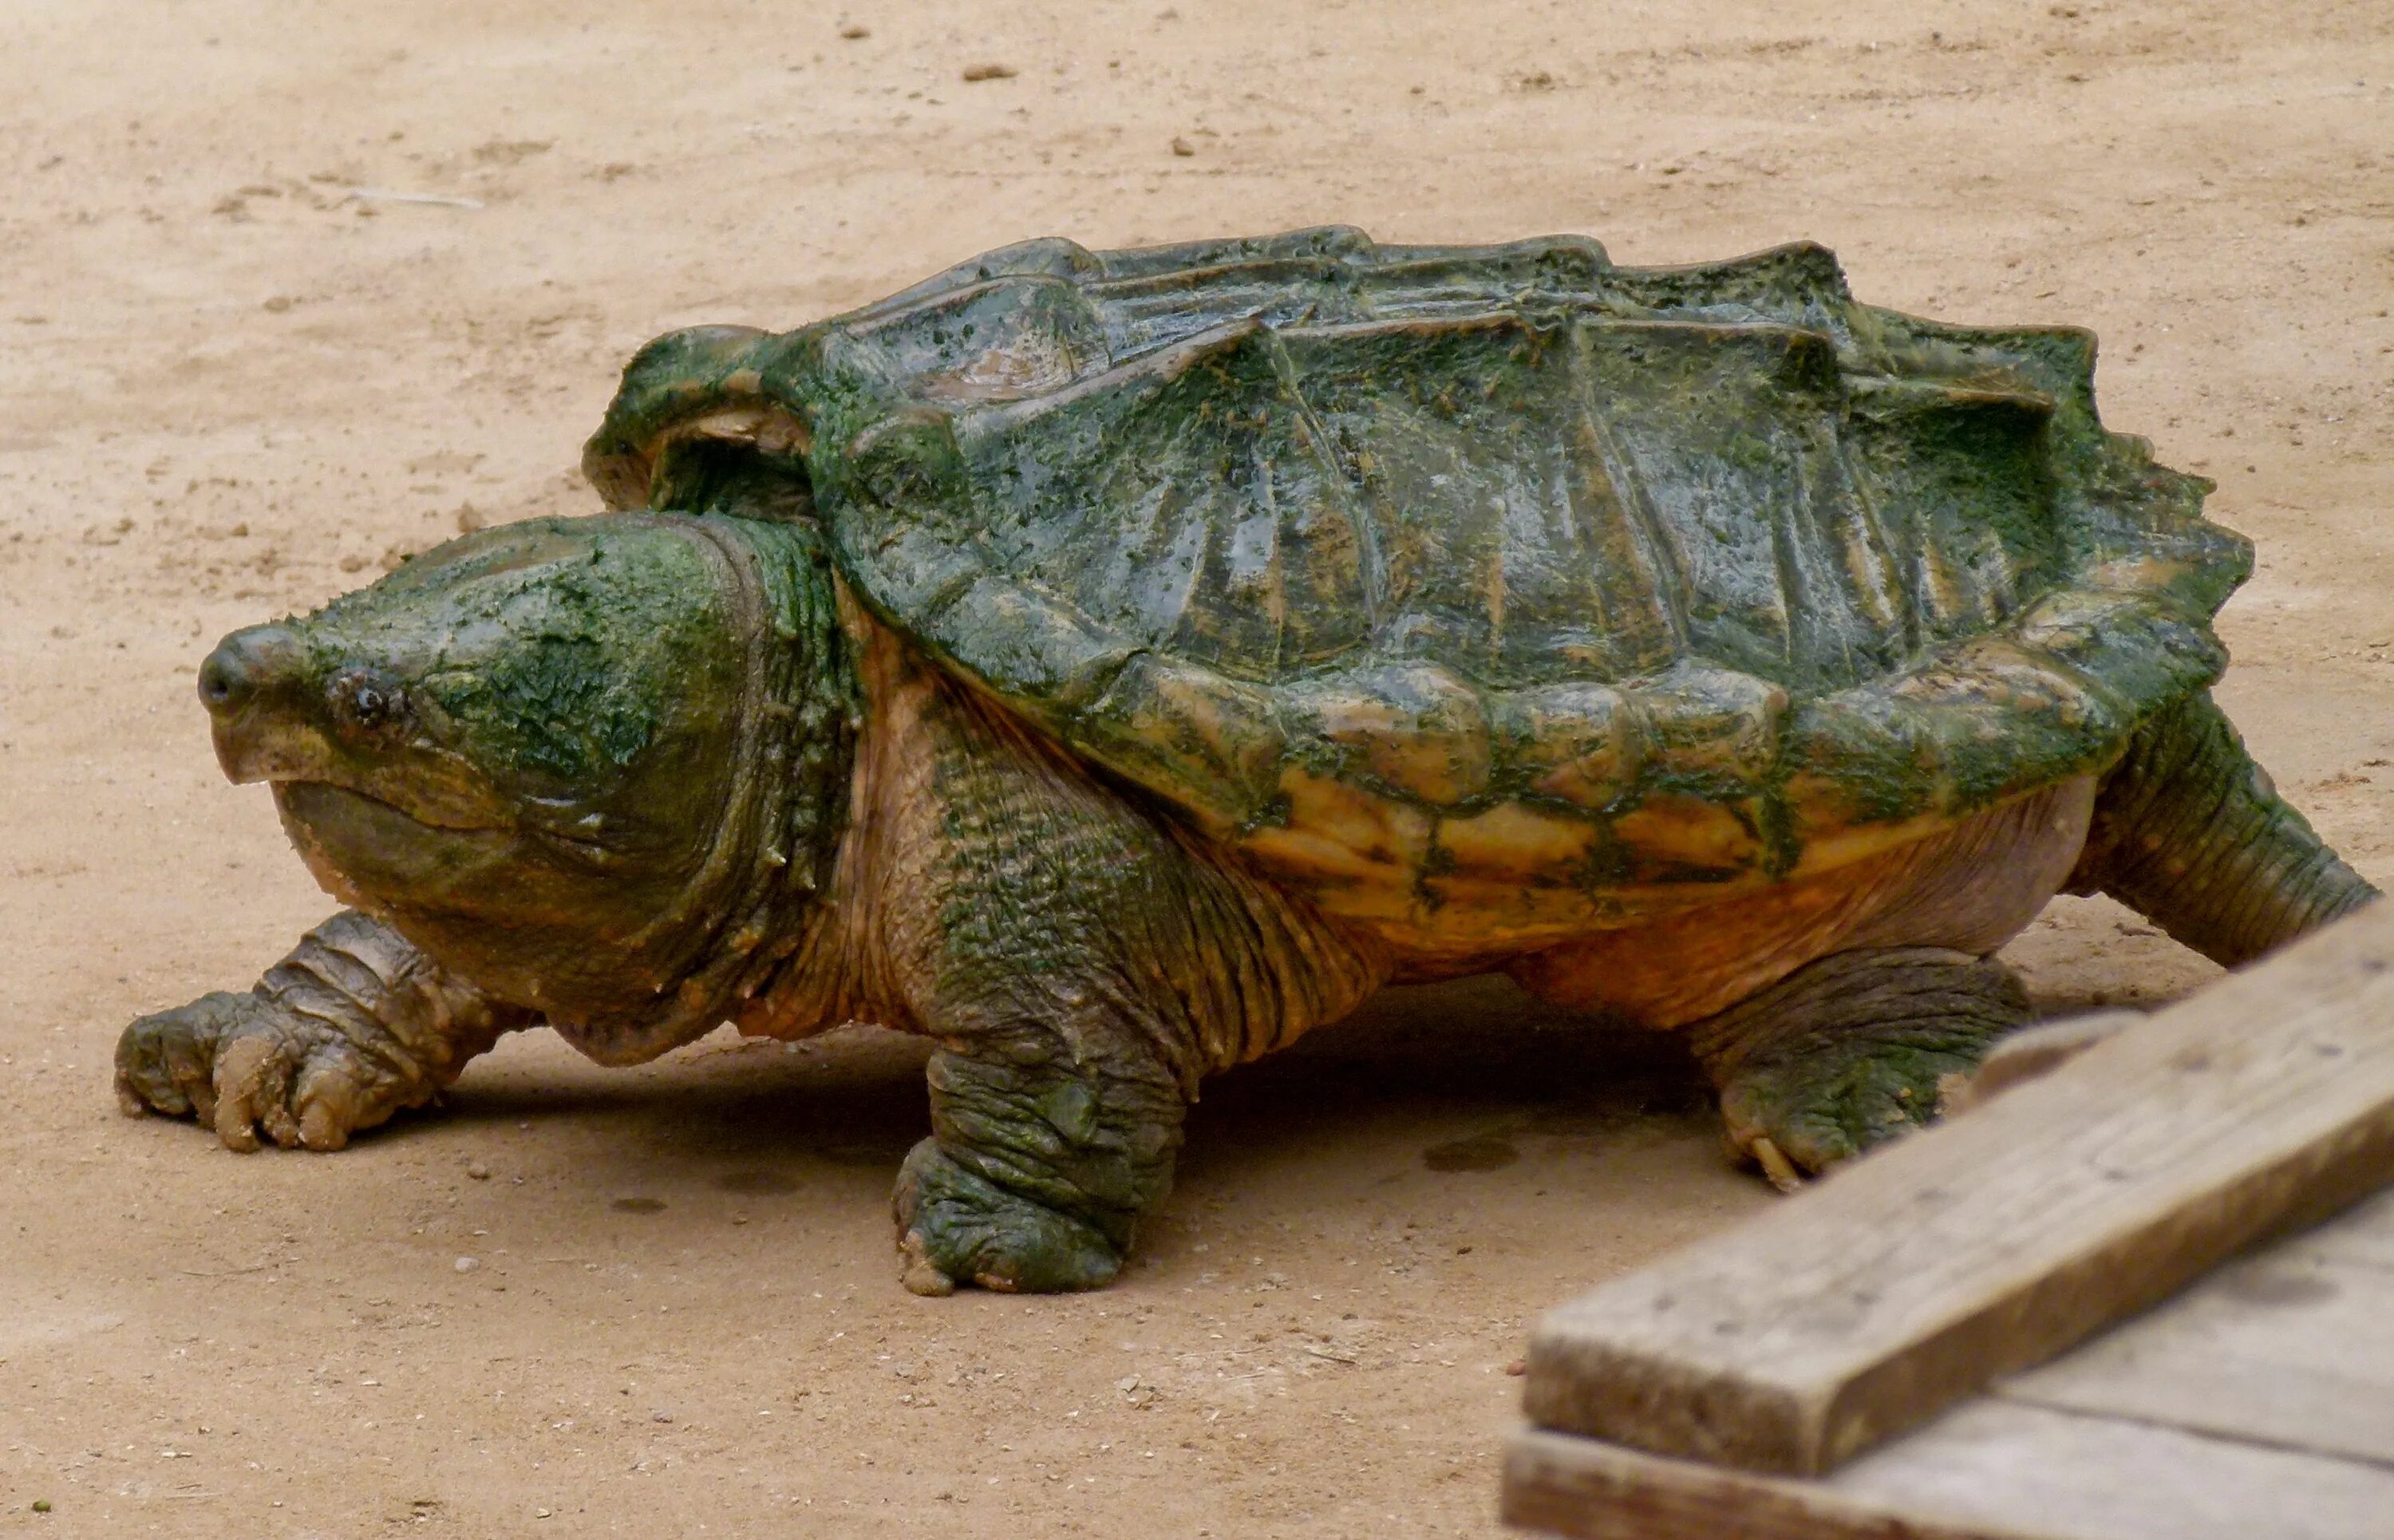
(581, 761)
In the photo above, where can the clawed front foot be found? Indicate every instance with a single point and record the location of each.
(956, 1226)
(351, 1027)
(1853, 1051)
(241, 1062)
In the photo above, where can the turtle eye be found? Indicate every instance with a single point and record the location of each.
(368, 701)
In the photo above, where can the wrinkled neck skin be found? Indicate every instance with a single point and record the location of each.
(834, 958)
(763, 899)
(847, 961)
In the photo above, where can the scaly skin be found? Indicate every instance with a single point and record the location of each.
(1849, 1052)
(2191, 831)
(1084, 967)
(354, 1025)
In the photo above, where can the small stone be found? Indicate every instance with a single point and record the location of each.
(479, 1172)
(989, 71)
(661, 1417)
(1182, 147)
(41, 1504)
(852, 31)
(466, 1264)
(1519, 1367)
(540, 1513)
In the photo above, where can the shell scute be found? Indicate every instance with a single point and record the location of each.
(1406, 730)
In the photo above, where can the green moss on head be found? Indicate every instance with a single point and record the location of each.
(597, 660)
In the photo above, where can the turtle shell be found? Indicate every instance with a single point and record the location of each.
(1487, 593)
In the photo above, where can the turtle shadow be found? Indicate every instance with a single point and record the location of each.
(1457, 1079)
(1466, 1071)
(736, 1121)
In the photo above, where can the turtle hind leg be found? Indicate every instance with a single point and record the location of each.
(1851, 1050)
(2188, 831)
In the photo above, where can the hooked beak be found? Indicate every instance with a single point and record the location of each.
(253, 687)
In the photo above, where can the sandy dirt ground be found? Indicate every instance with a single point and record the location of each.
(231, 385)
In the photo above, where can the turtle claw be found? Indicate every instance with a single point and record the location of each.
(955, 1225)
(1776, 1166)
(918, 1272)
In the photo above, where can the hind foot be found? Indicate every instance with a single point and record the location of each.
(1850, 1051)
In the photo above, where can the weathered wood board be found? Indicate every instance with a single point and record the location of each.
(2259, 1403)
(1869, 1304)
(1991, 1469)
(2292, 1348)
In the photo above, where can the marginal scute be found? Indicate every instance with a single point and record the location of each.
(1359, 851)
(1187, 731)
(1475, 588)
(1408, 729)
(1687, 840)
(1525, 845)
(1711, 729)
(1001, 340)
(687, 374)
(1575, 742)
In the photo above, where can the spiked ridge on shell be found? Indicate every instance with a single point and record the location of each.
(1482, 592)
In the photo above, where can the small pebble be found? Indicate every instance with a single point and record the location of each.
(989, 71)
(479, 1172)
(852, 31)
(41, 1504)
(661, 1417)
(466, 1264)
(1182, 147)
(1519, 1367)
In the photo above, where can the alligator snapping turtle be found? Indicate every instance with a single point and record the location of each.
(1114, 664)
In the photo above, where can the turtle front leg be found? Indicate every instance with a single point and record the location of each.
(1083, 965)
(1044, 953)
(354, 1025)
(1036, 1174)
(1851, 1050)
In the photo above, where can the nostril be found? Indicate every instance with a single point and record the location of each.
(221, 679)
(216, 680)
(232, 675)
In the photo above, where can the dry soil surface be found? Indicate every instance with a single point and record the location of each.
(287, 290)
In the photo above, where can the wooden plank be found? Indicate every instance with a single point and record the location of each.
(1560, 1483)
(1913, 1278)
(1988, 1470)
(2294, 1347)
(2076, 1477)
